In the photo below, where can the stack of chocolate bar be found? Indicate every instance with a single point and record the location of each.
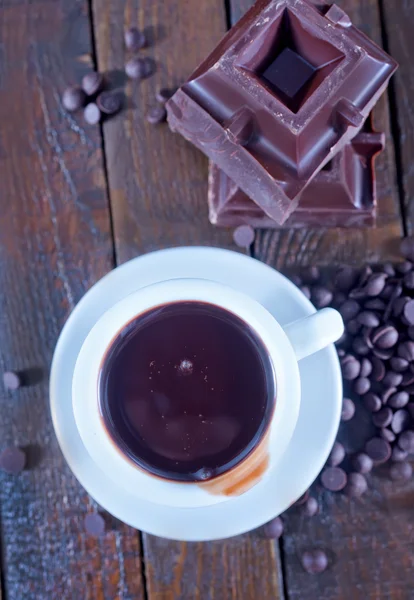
(281, 108)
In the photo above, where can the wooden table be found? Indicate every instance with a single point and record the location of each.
(76, 201)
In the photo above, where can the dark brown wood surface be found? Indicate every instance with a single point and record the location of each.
(69, 211)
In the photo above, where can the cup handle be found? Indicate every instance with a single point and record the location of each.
(311, 334)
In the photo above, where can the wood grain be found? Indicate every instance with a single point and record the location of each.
(158, 192)
(55, 242)
(399, 24)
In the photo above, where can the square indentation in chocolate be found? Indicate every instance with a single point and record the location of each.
(289, 74)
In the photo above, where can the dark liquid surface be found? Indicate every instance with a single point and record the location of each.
(187, 390)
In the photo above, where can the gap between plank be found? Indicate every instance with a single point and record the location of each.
(395, 126)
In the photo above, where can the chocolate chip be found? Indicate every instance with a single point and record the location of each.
(337, 455)
(383, 417)
(362, 385)
(321, 296)
(362, 463)
(356, 486)
(139, 68)
(401, 471)
(273, 530)
(333, 479)
(400, 421)
(399, 364)
(73, 98)
(92, 114)
(348, 409)
(406, 350)
(385, 337)
(366, 367)
(378, 449)
(406, 441)
(407, 248)
(378, 369)
(349, 309)
(243, 236)
(408, 310)
(351, 367)
(398, 455)
(368, 318)
(12, 460)
(134, 39)
(392, 379)
(12, 380)
(94, 524)
(157, 115)
(110, 102)
(372, 402)
(387, 435)
(306, 291)
(163, 95)
(311, 507)
(92, 83)
(314, 561)
(398, 400)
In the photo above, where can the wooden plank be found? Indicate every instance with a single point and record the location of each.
(370, 543)
(399, 26)
(158, 192)
(55, 242)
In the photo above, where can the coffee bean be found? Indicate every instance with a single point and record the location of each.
(408, 310)
(362, 385)
(378, 449)
(12, 460)
(341, 352)
(243, 236)
(383, 354)
(362, 463)
(311, 507)
(348, 409)
(73, 98)
(387, 393)
(368, 318)
(353, 327)
(314, 561)
(410, 408)
(404, 267)
(337, 455)
(306, 291)
(400, 421)
(92, 83)
(410, 332)
(349, 309)
(401, 471)
(409, 280)
(321, 296)
(345, 279)
(375, 304)
(372, 402)
(338, 298)
(398, 455)
(110, 102)
(384, 337)
(360, 347)
(406, 350)
(398, 400)
(399, 364)
(356, 486)
(157, 115)
(92, 114)
(311, 274)
(392, 379)
(387, 435)
(383, 417)
(378, 369)
(94, 524)
(351, 367)
(408, 381)
(366, 367)
(407, 248)
(333, 479)
(303, 499)
(273, 530)
(375, 284)
(134, 39)
(390, 293)
(406, 441)
(139, 68)
(388, 268)
(163, 95)
(12, 380)
(398, 306)
(296, 280)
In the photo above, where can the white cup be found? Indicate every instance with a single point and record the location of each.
(285, 347)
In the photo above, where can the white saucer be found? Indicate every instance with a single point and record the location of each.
(318, 420)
